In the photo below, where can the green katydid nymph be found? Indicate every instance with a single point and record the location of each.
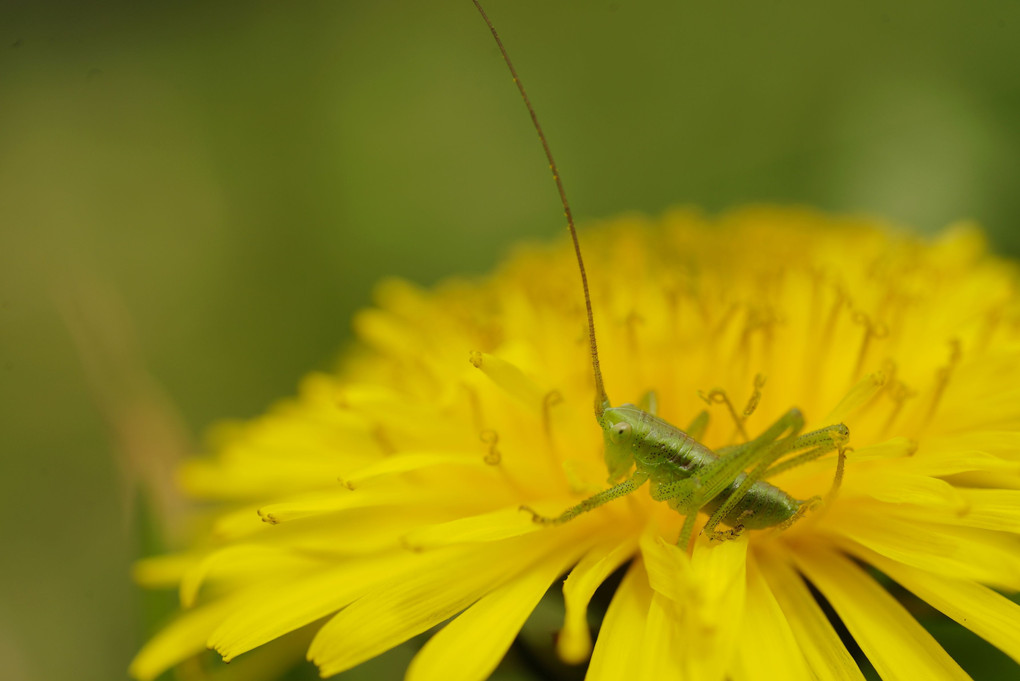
(642, 448)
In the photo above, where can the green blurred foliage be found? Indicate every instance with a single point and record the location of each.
(233, 177)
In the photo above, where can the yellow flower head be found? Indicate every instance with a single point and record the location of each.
(386, 499)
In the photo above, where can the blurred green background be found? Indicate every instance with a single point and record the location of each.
(198, 195)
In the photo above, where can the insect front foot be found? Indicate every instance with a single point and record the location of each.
(536, 517)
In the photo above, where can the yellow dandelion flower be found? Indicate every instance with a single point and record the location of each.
(385, 499)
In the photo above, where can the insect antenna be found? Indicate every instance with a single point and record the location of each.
(601, 399)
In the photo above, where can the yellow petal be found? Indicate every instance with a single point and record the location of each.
(574, 641)
(992, 509)
(243, 558)
(363, 530)
(340, 499)
(1005, 443)
(661, 651)
(237, 523)
(510, 378)
(707, 596)
(921, 490)
(270, 662)
(712, 614)
(618, 646)
(179, 640)
(963, 553)
(897, 447)
(408, 462)
(898, 647)
(278, 607)
(857, 397)
(445, 582)
(470, 647)
(385, 332)
(988, 614)
(669, 568)
(995, 480)
(255, 477)
(825, 653)
(773, 645)
(964, 460)
(501, 524)
(989, 509)
(163, 571)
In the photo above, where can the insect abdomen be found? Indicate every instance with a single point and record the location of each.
(764, 505)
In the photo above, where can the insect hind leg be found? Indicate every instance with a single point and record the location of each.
(821, 441)
(689, 495)
(841, 435)
(830, 496)
(837, 479)
(816, 501)
(818, 443)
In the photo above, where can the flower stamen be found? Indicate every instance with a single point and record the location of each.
(475, 405)
(841, 300)
(719, 396)
(752, 402)
(632, 322)
(872, 331)
(899, 392)
(549, 400)
(383, 440)
(942, 376)
(491, 438)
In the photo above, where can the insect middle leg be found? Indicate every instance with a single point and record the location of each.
(615, 492)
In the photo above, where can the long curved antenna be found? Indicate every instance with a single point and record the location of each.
(601, 399)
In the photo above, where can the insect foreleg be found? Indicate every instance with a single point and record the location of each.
(615, 492)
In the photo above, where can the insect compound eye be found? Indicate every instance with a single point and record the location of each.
(619, 433)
